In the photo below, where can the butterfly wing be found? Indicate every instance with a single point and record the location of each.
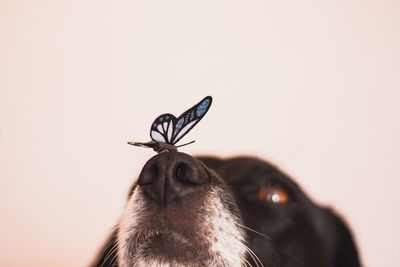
(185, 122)
(162, 128)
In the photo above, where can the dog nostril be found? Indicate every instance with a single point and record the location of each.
(148, 175)
(188, 174)
(181, 172)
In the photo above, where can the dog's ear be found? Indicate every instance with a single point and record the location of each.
(344, 251)
(107, 255)
(347, 255)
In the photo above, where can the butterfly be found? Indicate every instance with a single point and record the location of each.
(167, 130)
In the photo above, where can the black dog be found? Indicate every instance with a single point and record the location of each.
(236, 212)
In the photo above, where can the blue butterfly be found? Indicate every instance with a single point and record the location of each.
(167, 130)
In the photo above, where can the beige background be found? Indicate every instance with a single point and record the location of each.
(312, 86)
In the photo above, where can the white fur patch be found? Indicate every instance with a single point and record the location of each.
(129, 221)
(215, 222)
(227, 238)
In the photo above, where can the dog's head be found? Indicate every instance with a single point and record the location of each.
(186, 211)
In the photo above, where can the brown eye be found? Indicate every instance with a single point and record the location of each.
(273, 194)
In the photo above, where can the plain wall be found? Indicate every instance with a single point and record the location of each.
(312, 86)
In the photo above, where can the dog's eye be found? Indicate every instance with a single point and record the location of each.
(273, 194)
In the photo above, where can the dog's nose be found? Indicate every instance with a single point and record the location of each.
(171, 175)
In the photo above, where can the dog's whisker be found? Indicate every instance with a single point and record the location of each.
(254, 260)
(110, 252)
(287, 253)
(254, 231)
(114, 259)
(247, 263)
(253, 255)
(279, 248)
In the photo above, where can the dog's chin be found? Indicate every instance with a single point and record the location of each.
(166, 245)
(163, 248)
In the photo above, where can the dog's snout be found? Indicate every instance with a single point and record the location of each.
(171, 175)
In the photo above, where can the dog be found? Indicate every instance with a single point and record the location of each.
(207, 211)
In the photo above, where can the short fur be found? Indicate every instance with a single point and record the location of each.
(216, 219)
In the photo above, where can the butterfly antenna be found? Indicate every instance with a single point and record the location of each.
(186, 144)
(150, 144)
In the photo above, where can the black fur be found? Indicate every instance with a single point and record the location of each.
(298, 233)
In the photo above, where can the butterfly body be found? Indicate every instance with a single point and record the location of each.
(167, 130)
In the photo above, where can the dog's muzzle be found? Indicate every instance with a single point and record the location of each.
(180, 214)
